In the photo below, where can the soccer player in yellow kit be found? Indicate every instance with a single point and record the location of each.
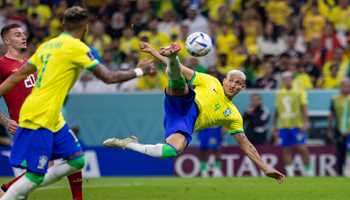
(291, 122)
(43, 134)
(209, 104)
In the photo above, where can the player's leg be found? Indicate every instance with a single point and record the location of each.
(6, 186)
(76, 185)
(180, 116)
(287, 143)
(341, 154)
(66, 146)
(302, 149)
(39, 142)
(177, 85)
(287, 160)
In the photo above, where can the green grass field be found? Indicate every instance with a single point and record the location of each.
(202, 189)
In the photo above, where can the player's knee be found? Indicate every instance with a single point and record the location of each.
(77, 163)
(35, 178)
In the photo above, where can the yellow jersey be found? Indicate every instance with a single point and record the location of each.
(58, 62)
(288, 105)
(215, 109)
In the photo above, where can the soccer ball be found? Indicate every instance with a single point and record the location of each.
(198, 44)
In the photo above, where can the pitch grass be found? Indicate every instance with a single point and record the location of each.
(325, 188)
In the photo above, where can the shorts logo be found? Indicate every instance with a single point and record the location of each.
(227, 112)
(42, 162)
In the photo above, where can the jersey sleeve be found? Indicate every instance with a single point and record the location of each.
(84, 57)
(201, 79)
(235, 126)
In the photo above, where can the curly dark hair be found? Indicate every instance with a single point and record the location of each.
(75, 17)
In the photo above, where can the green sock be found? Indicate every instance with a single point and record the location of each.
(218, 164)
(203, 166)
(307, 167)
(168, 151)
(176, 80)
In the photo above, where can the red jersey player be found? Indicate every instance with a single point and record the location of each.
(15, 40)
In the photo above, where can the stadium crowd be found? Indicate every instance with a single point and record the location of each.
(309, 38)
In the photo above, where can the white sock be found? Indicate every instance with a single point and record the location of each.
(22, 187)
(154, 150)
(56, 172)
(289, 170)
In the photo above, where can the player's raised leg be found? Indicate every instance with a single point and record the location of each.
(180, 114)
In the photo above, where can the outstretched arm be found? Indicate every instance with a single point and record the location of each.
(144, 67)
(16, 77)
(253, 154)
(147, 48)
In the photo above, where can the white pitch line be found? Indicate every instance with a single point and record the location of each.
(95, 186)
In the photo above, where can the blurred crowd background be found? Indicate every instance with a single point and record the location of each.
(309, 38)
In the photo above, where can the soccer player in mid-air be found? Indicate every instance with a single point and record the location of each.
(208, 104)
(42, 134)
(15, 39)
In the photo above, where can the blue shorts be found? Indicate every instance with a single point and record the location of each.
(210, 138)
(181, 113)
(291, 136)
(33, 149)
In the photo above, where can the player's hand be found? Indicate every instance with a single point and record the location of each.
(11, 126)
(145, 47)
(273, 173)
(147, 67)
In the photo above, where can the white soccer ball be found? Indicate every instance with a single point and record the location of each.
(198, 44)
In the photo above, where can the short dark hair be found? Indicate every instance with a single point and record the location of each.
(7, 28)
(74, 17)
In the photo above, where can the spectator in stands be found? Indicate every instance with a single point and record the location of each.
(267, 80)
(157, 39)
(302, 80)
(270, 42)
(252, 69)
(98, 37)
(278, 12)
(256, 119)
(128, 42)
(329, 41)
(310, 68)
(169, 25)
(291, 47)
(334, 70)
(252, 27)
(195, 21)
(338, 124)
(313, 22)
(226, 40)
(339, 16)
(117, 25)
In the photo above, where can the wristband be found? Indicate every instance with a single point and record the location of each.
(138, 71)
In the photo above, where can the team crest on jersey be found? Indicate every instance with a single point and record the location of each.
(227, 112)
(42, 162)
